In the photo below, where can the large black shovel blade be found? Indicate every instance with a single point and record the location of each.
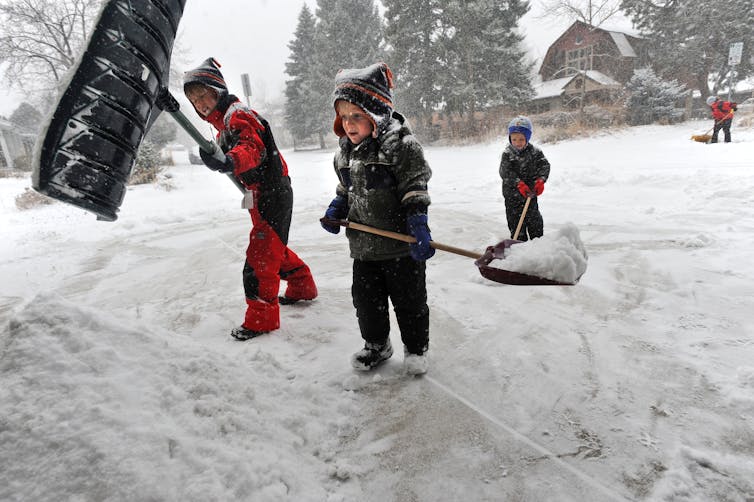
(87, 152)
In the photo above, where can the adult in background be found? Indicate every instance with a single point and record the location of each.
(722, 112)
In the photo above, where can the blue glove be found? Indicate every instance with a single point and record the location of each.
(417, 226)
(222, 166)
(337, 210)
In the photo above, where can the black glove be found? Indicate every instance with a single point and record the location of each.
(165, 101)
(221, 166)
(734, 106)
(337, 210)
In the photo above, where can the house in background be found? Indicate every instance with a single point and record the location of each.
(15, 147)
(586, 65)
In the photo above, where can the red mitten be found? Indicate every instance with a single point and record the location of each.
(524, 189)
(539, 186)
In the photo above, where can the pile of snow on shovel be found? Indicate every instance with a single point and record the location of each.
(559, 256)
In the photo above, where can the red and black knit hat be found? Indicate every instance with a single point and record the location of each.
(208, 73)
(368, 88)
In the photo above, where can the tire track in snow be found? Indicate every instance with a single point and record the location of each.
(550, 455)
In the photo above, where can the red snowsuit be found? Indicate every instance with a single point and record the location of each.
(263, 171)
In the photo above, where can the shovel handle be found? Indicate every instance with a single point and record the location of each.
(400, 237)
(174, 109)
(521, 219)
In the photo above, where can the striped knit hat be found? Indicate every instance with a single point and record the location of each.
(368, 88)
(208, 73)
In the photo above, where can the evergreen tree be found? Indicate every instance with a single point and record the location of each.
(482, 60)
(652, 99)
(348, 35)
(691, 39)
(26, 118)
(300, 114)
(412, 28)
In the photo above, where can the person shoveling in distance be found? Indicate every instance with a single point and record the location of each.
(722, 112)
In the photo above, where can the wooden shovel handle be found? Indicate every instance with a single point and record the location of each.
(521, 219)
(401, 237)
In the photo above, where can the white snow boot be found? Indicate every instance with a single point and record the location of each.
(415, 364)
(372, 355)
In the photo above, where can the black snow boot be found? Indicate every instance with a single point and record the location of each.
(241, 333)
(372, 355)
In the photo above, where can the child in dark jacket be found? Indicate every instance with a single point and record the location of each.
(383, 179)
(524, 170)
(253, 159)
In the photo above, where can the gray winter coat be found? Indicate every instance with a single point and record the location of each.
(385, 180)
(527, 165)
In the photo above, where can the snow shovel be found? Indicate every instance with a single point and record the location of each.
(87, 151)
(481, 260)
(498, 252)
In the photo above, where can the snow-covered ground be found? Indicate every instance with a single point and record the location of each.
(119, 381)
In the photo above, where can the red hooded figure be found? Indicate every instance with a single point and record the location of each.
(722, 112)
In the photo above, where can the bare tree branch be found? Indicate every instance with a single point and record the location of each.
(592, 12)
(40, 40)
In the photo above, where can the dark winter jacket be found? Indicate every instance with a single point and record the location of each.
(385, 180)
(526, 165)
(722, 110)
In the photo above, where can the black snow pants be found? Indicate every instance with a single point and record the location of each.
(725, 126)
(533, 223)
(403, 281)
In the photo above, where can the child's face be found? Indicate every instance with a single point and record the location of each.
(356, 122)
(518, 140)
(204, 100)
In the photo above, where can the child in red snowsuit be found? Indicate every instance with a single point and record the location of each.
(252, 158)
(722, 112)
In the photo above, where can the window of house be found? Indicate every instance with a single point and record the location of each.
(578, 60)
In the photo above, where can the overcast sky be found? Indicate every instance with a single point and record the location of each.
(252, 36)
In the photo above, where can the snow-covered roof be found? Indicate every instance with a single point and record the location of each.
(552, 88)
(601, 78)
(624, 46)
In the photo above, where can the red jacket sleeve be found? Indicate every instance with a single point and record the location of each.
(249, 152)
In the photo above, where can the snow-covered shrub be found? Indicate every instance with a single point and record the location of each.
(557, 119)
(652, 99)
(600, 116)
(148, 164)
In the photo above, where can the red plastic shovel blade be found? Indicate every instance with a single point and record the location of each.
(516, 278)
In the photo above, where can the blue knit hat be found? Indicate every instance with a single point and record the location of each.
(520, 124)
